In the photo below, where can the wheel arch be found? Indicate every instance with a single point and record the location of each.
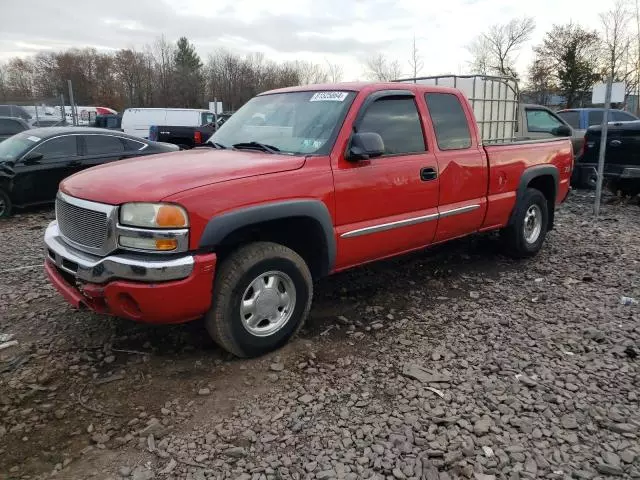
(546, 179)
(303, 225)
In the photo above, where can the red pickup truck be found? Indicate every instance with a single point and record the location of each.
(299, 183)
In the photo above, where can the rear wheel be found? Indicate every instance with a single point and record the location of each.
(262, 296)
(6, 206)
(526, 234)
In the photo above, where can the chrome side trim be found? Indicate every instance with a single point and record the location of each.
(90, 268)
(389, 226)
(457, 211)
(408, 222)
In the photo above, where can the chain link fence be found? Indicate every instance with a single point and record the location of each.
(38, 112)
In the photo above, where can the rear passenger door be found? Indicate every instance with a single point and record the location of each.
(99, 149)
(386, 205)
(463, 167)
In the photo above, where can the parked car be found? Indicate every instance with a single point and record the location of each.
(183, 137)
(346, 174)
(138, 121)
(15, 111)
(582, 118)
(187, 137)
(621, 161)
(33, 163)
(110, 121)
(11, 125)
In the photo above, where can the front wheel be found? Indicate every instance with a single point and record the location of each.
(5, 204)
(525, 235)
(262, 296)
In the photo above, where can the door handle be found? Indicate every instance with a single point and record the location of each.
(428, 173)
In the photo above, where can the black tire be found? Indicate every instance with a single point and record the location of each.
(233, 279)
(514, 237)
(6, 207)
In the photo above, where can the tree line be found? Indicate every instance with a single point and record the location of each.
(163, 74)
(567, 62)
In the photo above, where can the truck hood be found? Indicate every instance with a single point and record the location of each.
(155, 177)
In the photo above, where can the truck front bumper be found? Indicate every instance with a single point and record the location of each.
(145, 288)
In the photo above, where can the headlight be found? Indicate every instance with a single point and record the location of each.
(153, 215)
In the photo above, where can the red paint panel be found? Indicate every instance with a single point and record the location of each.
(169, 302)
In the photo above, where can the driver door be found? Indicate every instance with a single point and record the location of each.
(39, 179)
(541, 122)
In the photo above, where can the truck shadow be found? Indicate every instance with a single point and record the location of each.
(359, 295)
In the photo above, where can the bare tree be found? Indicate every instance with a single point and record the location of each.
(310, 72)
(379, 68)
(541, 82)
(415, 62)
(481, 56)
(496, 50)
(334, 72)
(619, 59)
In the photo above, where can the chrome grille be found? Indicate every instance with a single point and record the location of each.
(88, 228)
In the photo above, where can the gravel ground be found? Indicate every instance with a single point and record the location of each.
(454, 363)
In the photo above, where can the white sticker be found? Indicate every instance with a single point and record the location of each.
(329, 97)
(33, 139)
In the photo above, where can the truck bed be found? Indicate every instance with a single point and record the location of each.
(507, 162)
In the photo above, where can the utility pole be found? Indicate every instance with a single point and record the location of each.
(73, 106)
(603, 145)
(638, 59)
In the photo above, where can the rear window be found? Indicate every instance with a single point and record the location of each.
(571, 117)
(103, 144)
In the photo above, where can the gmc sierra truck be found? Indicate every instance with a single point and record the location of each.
(335, 176)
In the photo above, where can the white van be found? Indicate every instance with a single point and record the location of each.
(136, 121)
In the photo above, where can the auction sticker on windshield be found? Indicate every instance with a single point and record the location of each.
(34, 139)
(329, 97)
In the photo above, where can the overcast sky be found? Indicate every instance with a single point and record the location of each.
(339, 31)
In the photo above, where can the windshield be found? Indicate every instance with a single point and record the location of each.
(297, 123)
(13, 147)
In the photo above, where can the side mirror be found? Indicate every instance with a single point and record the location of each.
(562, 131)
(32, 158)
(365, 145)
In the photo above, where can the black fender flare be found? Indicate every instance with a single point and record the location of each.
(530, 174)
(222, 225)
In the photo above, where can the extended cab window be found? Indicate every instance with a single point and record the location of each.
(449, 121)
(541, 121)
(58, 148)
(103, 144)
(397, 121)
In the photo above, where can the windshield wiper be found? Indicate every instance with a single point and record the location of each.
(217, 145)
(257, 146)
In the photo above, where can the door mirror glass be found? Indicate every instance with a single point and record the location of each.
(364, 146)
(32, 157)
(561, 131)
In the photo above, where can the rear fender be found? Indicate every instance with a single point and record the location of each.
(528, 176)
